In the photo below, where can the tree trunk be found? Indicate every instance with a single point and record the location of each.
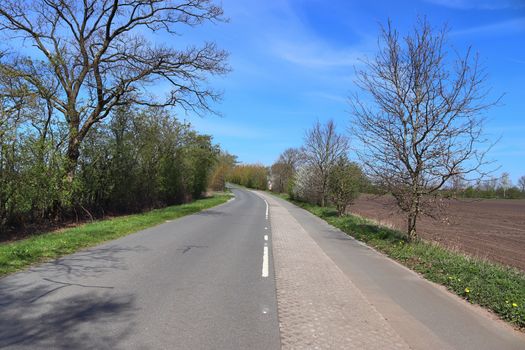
(411, 226)
(323, 192)
(73, 147)
(72, 155)
(412, 216)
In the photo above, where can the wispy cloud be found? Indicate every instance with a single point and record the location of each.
(480, 4)
(317, 54)
(515, 25)
(328, 96)
(288, 37)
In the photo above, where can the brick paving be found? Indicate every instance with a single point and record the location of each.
(318, 306)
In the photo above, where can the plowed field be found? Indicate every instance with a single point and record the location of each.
(490, 229)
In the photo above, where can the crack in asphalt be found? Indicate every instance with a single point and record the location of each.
(188, 247)
(64, 285)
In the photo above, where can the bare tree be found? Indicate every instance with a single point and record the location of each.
(424, 125)
(521, 183)
(505, 183)
(93, 55)
(292, 157)
(284, 169)
(323, 147)
(457, 183)
(489, 184)
(280, 174)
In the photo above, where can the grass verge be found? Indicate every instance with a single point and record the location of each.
(17, 255)
(496, 287)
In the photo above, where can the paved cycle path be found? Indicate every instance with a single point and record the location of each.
(334, 290)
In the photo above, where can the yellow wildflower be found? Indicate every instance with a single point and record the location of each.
(467, 290)
(514, 305)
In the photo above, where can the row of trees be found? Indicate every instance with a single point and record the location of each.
(81, 130)
(418, 124)
(493, 187)
(141, 159)
(249, 175)
(319, 172)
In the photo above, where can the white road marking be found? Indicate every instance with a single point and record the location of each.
(265, 261)
(267, 206)
(266, 228)
(265, 237)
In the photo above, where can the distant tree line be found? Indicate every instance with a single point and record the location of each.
(222, 170)
(249, 175)
(320, 171)
(490, 188)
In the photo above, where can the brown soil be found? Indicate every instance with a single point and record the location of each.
(491, 228)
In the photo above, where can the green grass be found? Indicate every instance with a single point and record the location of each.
(496, 287)
(17, 255)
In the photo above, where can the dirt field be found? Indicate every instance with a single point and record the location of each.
(491, 229)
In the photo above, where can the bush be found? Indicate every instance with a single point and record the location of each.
(250, 175)
(142, 159)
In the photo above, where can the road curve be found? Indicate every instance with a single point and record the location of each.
(194, 283)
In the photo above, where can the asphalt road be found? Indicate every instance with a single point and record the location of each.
(194, 283)
(203, 282)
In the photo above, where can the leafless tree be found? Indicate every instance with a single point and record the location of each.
(521, 183)
(424, 124)
(292, 157)
(457, 183)
(280, 174)
(489, 184)
(323, 147)
(283, 170)
(505, 183)
(94, 55)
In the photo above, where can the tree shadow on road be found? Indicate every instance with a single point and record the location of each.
(90, 316)
(78, 322)
(89, 263)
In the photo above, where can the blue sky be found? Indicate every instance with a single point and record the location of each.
(293, 63)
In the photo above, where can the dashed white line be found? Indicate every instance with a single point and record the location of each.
(265, 237)
(265, 261)
(267, 206)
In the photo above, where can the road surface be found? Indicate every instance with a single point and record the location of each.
(194, 283)
(216, 280)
